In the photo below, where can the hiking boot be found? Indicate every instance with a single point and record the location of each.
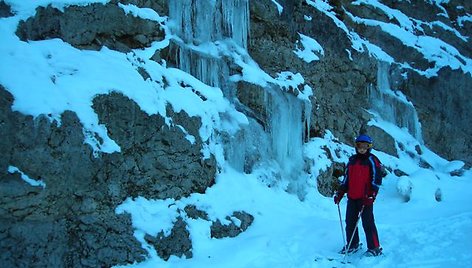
(373, 252)
(352, 249)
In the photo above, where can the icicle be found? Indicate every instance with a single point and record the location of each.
(307, 120)
(181, 14)
(199, 23)
(236, 20)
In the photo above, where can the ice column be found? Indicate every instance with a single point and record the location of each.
(279, 146)
(393, 106)
(286, 130)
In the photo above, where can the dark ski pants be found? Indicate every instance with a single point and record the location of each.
(354, 206)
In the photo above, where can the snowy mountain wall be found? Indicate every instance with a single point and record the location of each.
(98, 105)
(424, 42)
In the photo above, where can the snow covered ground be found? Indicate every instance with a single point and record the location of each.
(286, 231)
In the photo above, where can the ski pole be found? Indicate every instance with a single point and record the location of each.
(355, 228)
(342, 227)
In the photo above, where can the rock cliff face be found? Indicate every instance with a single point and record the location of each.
(340, 79)
(71, 222)
(340, 82)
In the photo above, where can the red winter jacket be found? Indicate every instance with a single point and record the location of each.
(363, 176)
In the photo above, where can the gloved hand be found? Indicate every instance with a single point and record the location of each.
(369, 200)
(338, 196)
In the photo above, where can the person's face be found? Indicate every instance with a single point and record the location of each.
(362, 147)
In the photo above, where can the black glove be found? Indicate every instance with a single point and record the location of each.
(338, 196)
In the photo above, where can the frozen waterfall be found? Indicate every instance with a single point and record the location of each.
(392, 106)
(203, 32)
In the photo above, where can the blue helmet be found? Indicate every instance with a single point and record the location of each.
(364, 138)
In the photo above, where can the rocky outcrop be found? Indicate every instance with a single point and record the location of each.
(238, 223)
(329, 180)
(177, 243)
(5, 10)
(156, 160)
(441, 107)
(71, 222)
(91, 27)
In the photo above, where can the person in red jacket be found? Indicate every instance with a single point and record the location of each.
(361, 183)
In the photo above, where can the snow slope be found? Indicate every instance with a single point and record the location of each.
(288, 232)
